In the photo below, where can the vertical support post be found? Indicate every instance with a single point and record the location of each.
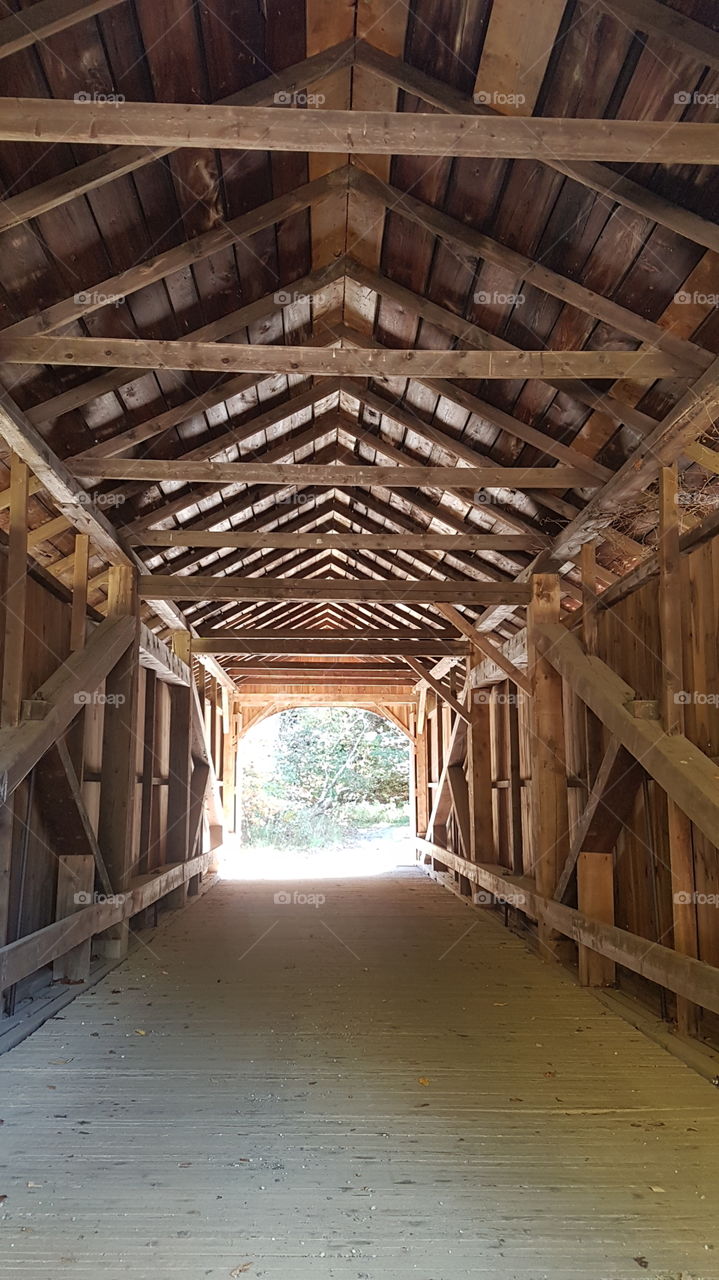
(117, 777)
(80, 568)
(681, 850)
(550, 810)
(147, 805)
(78, 635)
(421, 780)
(15, 595)
(180, 771)
(595, 897)
(229, 759)
(479, 770)
(13, 654)
(593, 734)
(75, 883)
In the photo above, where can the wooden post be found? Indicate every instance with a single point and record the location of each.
(679, 827)
(78, 621)
(179, 799)
(75, 884)
(422, 780)
(595, 895)
(229, 759)
(550, 811)
(117, 778)
(479, 770)
(15, 595)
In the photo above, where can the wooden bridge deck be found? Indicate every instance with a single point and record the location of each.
(388, 1085)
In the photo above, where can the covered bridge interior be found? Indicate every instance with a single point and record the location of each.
(361, 354)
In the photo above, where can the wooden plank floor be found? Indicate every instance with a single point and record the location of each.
(359, 1090)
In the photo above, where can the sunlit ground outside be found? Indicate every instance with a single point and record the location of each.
(324, 793)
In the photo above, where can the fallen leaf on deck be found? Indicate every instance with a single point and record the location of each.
(423, 1080)
(238, 1271)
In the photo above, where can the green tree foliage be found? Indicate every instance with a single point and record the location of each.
(323, 774)
(333, 756)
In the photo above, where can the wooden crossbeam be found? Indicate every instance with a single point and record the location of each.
(122, 160)
(200, 587)
(425, 674)
(688, 776)
(485, 645)
(333, 475)
(596, 177)
(472, 245)
(333, 646)
(154, 124)
(608, 808)
(228, 357)
(691, 417)
(694, 979)
(341, 541)
(63, 694)
(46, 19)
(100, 294)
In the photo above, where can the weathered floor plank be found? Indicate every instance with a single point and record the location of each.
(359, 1090)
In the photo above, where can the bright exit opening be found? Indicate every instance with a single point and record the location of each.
(321, 791)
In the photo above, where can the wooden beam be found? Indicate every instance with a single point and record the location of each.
(40, 21)
(688, 776)
(595, 898)
(485, 646)
(65, 693)
(154, 124)
(693, 415)
(341, 541)
(426, 675)
(200, 587)
(142, 274)
(15, 596)
(607, 810)
(679, 828)
(694, 979)
(232, 357)
(472, 245)
(331, 646)
(78, 619)
(332, 475)
(64, 490)
(122, 160)
(479, 771)
(550, 810)
(116, 817)
(597, 177)
(19, 959)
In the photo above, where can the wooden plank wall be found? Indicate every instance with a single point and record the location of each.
(628, 638)
(34, 866)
